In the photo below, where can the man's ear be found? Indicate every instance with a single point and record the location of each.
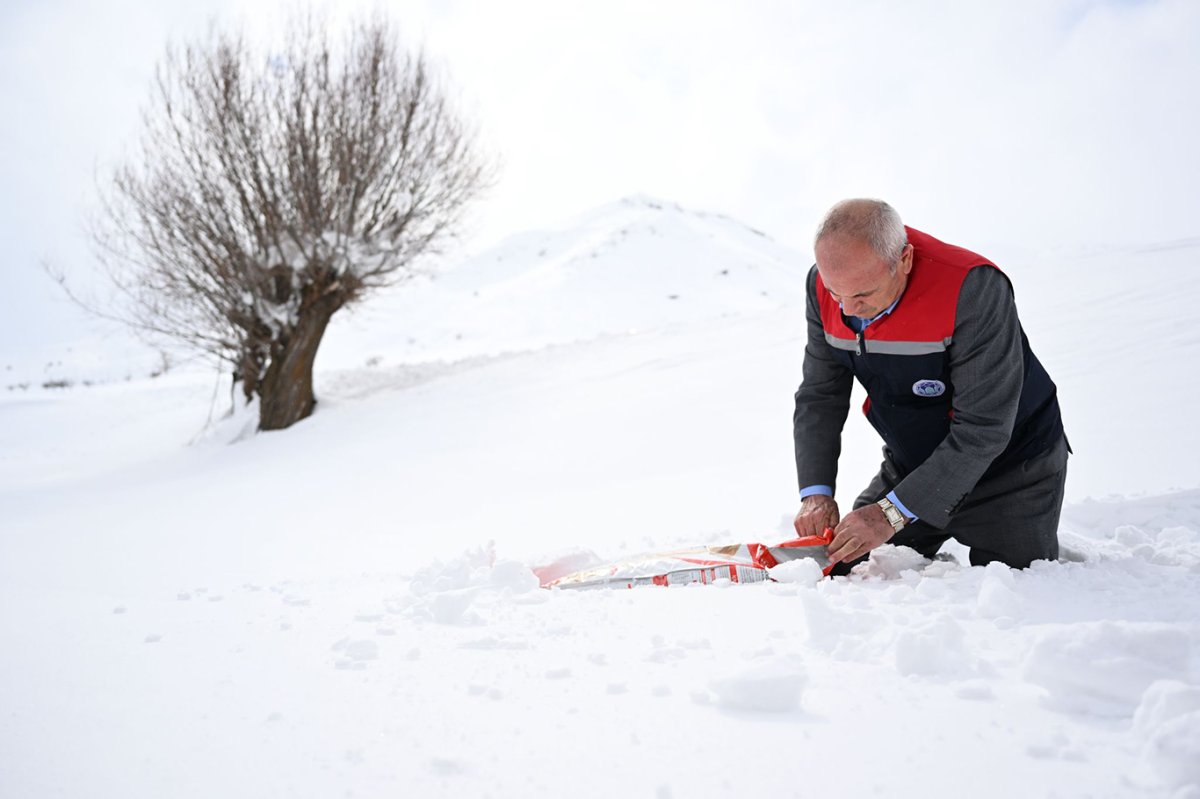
(906, 259)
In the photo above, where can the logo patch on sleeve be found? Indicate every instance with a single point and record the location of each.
(929, 388)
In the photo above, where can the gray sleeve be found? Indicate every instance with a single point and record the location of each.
(822, 402)
(987, 369)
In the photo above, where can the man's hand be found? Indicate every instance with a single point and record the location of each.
(817, 512)
(860, 532)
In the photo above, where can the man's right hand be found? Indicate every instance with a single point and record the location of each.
(817, 512)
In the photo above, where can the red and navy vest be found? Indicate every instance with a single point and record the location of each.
(902, 360)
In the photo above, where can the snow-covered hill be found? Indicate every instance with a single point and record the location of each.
(346, 607)
(637, 264)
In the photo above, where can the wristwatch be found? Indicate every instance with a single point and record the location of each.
(894, 516)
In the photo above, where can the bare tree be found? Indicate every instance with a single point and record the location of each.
(271, 191)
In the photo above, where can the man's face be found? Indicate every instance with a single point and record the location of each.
(858, 278)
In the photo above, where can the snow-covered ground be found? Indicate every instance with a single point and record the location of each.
(346, 607)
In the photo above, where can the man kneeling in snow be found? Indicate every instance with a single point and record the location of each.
(973, 439)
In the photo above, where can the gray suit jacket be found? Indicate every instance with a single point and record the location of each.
(986, 372)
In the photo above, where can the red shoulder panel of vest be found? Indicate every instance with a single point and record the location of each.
(926, 311)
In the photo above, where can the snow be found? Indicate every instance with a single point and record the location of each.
(804, 571)
(348, 607)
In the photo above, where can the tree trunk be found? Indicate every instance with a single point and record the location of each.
(286, 391)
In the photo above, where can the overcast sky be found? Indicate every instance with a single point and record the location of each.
(1042, 123)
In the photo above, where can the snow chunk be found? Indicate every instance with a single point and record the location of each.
(513, 576)
(804, 571)
(889, 562)
(477, 568)
(763, 688)
(997, 599)
(451, 607)
(448, 592)
(1104, 668)
(363, 649)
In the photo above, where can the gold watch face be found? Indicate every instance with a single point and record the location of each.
(894, 517)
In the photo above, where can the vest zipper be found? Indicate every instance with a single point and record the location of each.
(862, 343)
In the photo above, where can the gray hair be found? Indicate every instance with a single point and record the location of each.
(871, 221)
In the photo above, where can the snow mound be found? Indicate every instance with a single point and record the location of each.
(1104, 668)
(934, 648)
(1168, 723)
(454, 592)
(846, 633)
(1162, 530)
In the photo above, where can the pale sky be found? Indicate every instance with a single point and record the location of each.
(1038, 123)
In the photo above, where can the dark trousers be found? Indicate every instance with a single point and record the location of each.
(1011, 517)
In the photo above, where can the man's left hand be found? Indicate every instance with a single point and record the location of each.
(860, 532)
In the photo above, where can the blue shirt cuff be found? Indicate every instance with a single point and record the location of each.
(895, 500)
(809, 491)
